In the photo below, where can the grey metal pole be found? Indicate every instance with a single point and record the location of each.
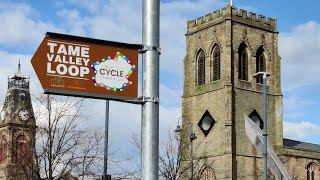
(191, 150)
(106, 136)
(150, 110)
(265, 126)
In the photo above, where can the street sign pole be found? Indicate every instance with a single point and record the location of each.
(265, 127)
(106, 137)
(150, 109)
(264, 76)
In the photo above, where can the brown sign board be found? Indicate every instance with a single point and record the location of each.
(85, 67)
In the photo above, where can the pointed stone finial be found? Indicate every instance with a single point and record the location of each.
(18, 74)
(19, 65)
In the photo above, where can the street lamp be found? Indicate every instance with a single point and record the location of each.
(192, 137)
(264, 76)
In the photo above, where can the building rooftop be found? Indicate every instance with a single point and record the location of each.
(293, 144)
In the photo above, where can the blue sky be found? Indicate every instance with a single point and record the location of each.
(24, 24)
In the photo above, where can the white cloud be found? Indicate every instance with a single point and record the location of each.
(73, 21)
(187, 8)
(19, 29)
(300, 130)
(168, 120)
(170, 97)
(102, 27)
(292, 102)
(116, 21)
(19, 7)
(9, 65)
(294, 115)
(109, 20)
(174, 16)
(92, 6)
(300, 51)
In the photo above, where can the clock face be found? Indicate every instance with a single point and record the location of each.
(24, 115)
(3, 115)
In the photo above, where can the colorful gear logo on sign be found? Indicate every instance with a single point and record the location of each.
(113, 73)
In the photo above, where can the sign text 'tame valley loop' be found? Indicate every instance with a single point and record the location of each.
(72, 59)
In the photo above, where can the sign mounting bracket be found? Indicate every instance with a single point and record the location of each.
(146, 48)
(148, 99)
(143, 99)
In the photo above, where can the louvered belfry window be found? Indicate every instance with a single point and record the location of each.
(243, 62)
(260, 63)
(201, 67)
(216, 63)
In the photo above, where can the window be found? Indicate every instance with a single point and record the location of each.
(22, 96)
(201, 67)
(3, 150)
(8, 97)
(207, 173)
(243, 62)
(255, 117)
(260, 63)
(216, 62)
(311, 171)
(206, 123)
(21, 153)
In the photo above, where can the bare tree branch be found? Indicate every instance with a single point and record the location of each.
(63, 146)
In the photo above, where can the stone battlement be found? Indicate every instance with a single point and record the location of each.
(230, 12)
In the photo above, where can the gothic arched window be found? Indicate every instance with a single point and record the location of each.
(207, 173)
(22, 96)
(311, 171)
(8, 97)
(243, 62)
(3, 150)
(21, 153)
(260, 63)
(201, 67)
(216, 62)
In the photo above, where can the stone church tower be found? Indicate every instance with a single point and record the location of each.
(224, 49)
(17, 130)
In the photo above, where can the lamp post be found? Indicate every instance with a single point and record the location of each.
(264, 76)
(192, 137)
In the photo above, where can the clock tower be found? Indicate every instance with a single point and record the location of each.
(17, 130)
